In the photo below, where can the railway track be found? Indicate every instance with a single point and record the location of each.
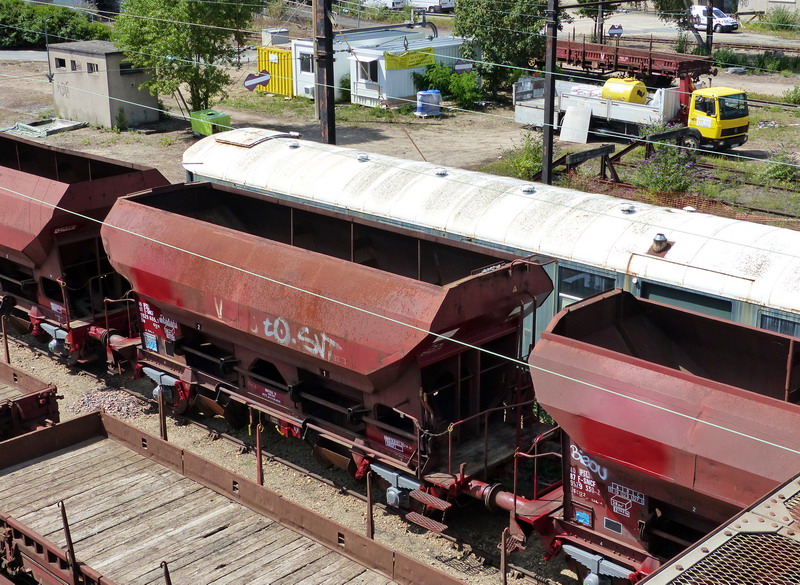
(631, 40)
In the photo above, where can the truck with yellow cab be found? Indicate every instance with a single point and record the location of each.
(715, 117)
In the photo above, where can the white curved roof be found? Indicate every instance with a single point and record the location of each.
(714, 255)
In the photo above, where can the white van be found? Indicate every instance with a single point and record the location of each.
(433, 5)
(722, 22)
(390, 4)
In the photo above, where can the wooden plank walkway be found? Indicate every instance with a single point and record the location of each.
(127, 514)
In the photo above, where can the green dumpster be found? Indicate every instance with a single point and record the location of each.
(207, 122)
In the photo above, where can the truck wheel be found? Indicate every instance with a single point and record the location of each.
(691, 142)
(718, 29)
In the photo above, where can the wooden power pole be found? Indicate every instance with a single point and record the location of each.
(325, 90)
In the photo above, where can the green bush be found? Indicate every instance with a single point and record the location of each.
(526, 161)
(436, 76)
(24, 25)
(344, 89)
(793, 95)
(781, 168)
(463, 88)
(669, 168)
(781, 19)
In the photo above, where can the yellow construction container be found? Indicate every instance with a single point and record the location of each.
(625, 90)
(278, 62)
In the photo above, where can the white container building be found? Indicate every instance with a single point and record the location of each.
(382, 76)
(304, 65)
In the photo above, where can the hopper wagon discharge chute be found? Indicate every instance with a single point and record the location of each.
(55, 280)
(671, 422)
(384, 349)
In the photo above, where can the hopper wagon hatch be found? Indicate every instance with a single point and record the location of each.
(54, 275)
(673, 421)
(321, 322)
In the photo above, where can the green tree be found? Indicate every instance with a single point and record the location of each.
(507, 35)
(23, 25)
(184, 42)
(679, 12)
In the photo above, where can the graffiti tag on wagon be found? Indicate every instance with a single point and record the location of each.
(319, 344)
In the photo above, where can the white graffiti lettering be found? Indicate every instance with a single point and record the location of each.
(588, 462)
(319, 344)
(218, 307)
(278, 330)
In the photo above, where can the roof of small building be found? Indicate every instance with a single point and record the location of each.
(90, 47)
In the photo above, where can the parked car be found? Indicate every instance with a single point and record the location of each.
(721, 21)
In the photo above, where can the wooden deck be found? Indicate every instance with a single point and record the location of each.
(8, 392)
(127, 514)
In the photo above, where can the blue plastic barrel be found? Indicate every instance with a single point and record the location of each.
(428, 102)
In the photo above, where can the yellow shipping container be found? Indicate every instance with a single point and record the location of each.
(278, 62)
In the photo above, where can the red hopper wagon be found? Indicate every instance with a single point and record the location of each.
(363, 339)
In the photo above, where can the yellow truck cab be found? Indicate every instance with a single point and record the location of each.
(720, 117)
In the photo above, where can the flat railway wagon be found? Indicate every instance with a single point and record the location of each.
(746, 272)
(55, 280)
(95, 501)
(26, 402)
(653, 66)
(385, 349)
(671, 422)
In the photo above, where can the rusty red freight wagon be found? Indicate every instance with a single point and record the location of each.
(55, 280)
(672, 421)
(365, 340)
(641, 63)
(26, 402)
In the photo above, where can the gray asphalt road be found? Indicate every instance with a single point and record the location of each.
(23, 56)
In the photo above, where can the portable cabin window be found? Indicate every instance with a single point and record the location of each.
(781, 325)
(368, 71)
(74, 65)
(576, 284)
(685, 299)
(306, 63)
(61, 63)
(92, 67)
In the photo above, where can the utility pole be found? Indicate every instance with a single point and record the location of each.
(549, 90)
(325, 94)
(709, 26)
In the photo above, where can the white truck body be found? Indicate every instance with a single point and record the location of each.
(433, 5)
(661, 107)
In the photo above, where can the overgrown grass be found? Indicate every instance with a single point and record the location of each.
(271, 104)
(353, 113)
(768, 61)
(522, 161)
(779, 20)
